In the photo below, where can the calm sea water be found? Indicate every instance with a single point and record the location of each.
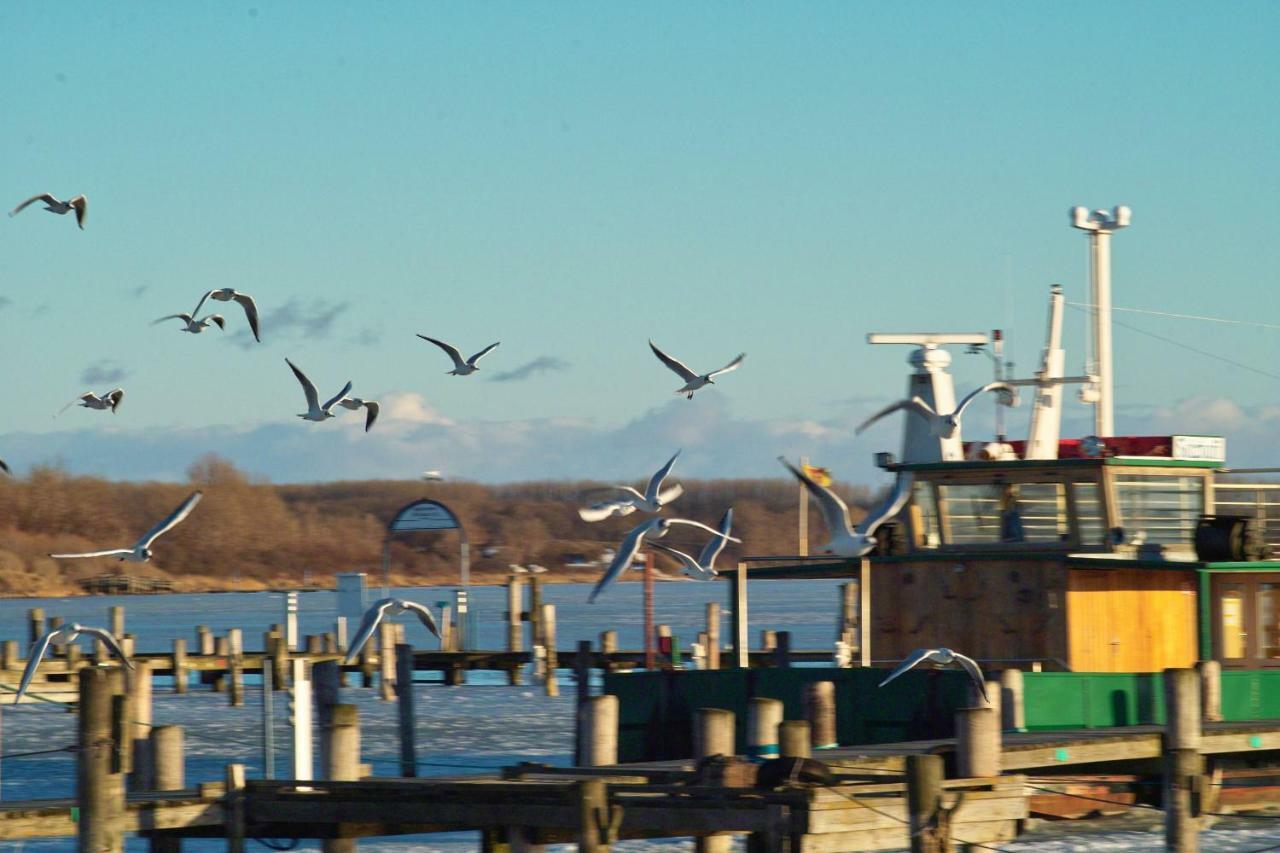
(481, 726)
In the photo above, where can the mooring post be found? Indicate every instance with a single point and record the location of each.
(763, 718)
(924, 804)
(324, 695)
(179, 665)
(594, 828)
(268, 722)
(315, 645)
(279, 661)
(35, 625)
(582, 690)
(73, 656)
(535, 611)
(548, 618)
(9, 654)
(300, 690)
(782, 653)
(222, 649)
(235, 666)
(515, 630)
(864, 612)
(713, 733)
(599, 732)
(795, 739)
(115, 618)
(1012, 711)
(846, 624)
(167, 775)
(387, 660)
(234, 808)
(738, 592)
(978, 742)
(608, 646)
(340, 634)
(713, 635)
(408, 716)
(100, 768)
(447, 634)
(1182, 764)
(768, 640)
(367, 669)
(342, 746)
(650, 657)
(204, 640)
(1210, 690)
(820, 711)
(139, 684)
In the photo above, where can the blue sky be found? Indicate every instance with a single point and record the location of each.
(572, 179)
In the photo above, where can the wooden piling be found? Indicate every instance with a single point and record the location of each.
(407, 715)
(10, 658)
(535, 611)
(924, 804)
(279, 661)
(222, 649)
(35, 625)
(367, 669)
(343, 751)
(794, 739)
(782, 651)
(599, 733)
(593, 816)
(1012, 711)
(179, 665)
(234, 809)
(115, 618)
(820, 711)
(713, 635)
(100, 772)
(387, 660)
(548, 619)
(847, 623)
(741, 620)
(768, 640)
(1210, 690)
(324, 697)
(515, 630)
(978, 742)
(315, 645)
(204, 640)
(447, 639)
(139, 683)
(235, 666)
(73, 657)
(1182, 762)
(582, 689)
(608, 645)
(763, 718)
(713, 733)
(167, 761)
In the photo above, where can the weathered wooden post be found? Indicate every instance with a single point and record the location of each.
(768, 640)
(594, 822)
(235, 666)
(794, 739)
(222, 649)
(73, 657)
(600, 738)
(1182, 764)
(548, 620)
(324, 696)
(387, 660)
(279, 650)
(582, 689)
(608, 646)
(515, 630)
(315, 645)
(820, 711)
(268, 722)
(1012, 710)
(35, 625)
(713, 733)
(713, 635)
(763, 718)
(978, 741)
(367, 668)
(405, 698)
(234, 809)
(847, 624)
(1210, 690)
(343, 751)
(167, 767)
(115, 618)
(782, 652)
(924, 804)
(139, 683)
(179, 665)
(535, 611)
(100, 767)
(9, 655)
(204, 640)
(741, 620)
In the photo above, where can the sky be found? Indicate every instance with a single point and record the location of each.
(574, 179)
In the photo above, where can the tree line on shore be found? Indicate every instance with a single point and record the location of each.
(251, 534)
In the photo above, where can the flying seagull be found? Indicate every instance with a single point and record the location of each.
(110, 400)
(460, 367)
(845, 541)
(655, 527)
(66, 634)
(315, 411)
(191, 324)
(244, 300)
(652, 500)
(5, 467)
(355, 403)
(141, 550)
(381, 610)
(693, 381)
(79, 204)
(703, 568)
(941, 657)
(943, 425)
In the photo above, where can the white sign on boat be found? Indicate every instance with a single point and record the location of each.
(1200, 448)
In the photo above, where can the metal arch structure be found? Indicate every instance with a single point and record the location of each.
(428, 515)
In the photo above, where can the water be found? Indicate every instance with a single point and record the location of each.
(479, 727)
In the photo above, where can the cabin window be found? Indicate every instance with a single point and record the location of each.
(1159, 510)
(1089, 518)
(924, 517)
(1233, 630)
(1010, 513)
(1269, 619)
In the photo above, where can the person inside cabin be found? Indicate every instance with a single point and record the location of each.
(1011, 529)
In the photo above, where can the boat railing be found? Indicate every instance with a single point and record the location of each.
(1260, 501)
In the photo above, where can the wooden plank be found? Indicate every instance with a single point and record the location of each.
(896, 838)
(883, 815)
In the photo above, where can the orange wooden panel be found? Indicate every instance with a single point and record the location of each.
(1130, 620)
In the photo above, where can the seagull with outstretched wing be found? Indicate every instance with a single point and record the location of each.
(193, 325)
(371, 408)
(79, 204)
(315, 411)
(693, 381)
(141, 550)
(384, 609)
(66, 634)
(626, 554)
(461, 367)
(244, 300)
(942, 657)
(89, 400)
(704, 567)
(943, 425)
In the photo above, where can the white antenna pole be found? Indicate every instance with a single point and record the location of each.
(1100, 224)
(1046, 411)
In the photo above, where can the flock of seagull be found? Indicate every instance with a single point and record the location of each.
(844, 539)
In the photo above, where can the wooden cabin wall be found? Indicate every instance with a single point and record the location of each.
(1130, 620)
(993, 610)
